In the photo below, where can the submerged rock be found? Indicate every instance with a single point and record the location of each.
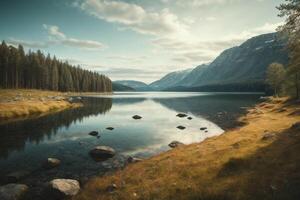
(203, 128)
(136, 117)
(131, 159)
(16, 176)
(13, 191)
(175, 144)
(110, 128)
(181, 127)
(181, 115)
(94, 133)
(64, 187)
(51, 163)
(189, 118)
(100, 153)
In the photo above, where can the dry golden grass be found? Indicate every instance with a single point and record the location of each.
(19, 103)
(236, 165)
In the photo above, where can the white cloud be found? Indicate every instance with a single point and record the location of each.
(135, 17)
(26, 43)
(59, 37)
(193, 51)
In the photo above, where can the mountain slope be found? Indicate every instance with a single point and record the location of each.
(245, 63)
(240, 68)
(137, 85)
(120, 87)
(170, 80)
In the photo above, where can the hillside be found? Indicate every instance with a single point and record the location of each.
(170, 80)
(240, 68)
(136, 85)
(121, 87)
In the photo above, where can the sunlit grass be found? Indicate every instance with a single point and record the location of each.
(20, 103)
(235, 165)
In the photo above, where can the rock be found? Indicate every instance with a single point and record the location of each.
(137, 117)
(181, 127)
(71, 99)
(206, 131)
(13, 191)
(51, 163)
(175, 144)
(111, 188)
(110, 128)
(203, 128)
(58, 98)
(268, 136)
(100, 153)
(64, 187)
(181, 115)
(16, 176)
(296, 126)
(94, 133)
(131, 159)
(189, 118)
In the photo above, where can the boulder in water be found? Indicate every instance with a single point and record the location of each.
(100, 153)
(181, 115)
(94, 133)
(181, 127)
(51, 163)
(13, 191)
(136, 117)
(64, 187)
(175, 144)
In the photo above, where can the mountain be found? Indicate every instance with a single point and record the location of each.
(136, 85)
(241, 68)
(170, 80)
(120, 87)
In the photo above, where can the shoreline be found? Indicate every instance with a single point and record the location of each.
(19, 104)
(215, 168)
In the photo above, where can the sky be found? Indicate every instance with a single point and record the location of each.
(135, 39)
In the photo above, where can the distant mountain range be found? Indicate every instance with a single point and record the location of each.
(170, 80)
(241, 68)
(136, 85)
(120, 87)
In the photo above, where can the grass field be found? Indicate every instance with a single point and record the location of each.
(21, 103)
(257, 161)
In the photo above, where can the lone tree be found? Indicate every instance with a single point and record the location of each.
(275, 77)
(291, 29)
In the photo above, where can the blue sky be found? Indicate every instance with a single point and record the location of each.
(135, 39)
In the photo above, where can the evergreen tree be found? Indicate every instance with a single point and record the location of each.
(35, 70)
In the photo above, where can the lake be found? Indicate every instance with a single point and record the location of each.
(25, 145)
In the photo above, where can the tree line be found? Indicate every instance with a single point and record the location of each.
(286, 79)
(34, 70)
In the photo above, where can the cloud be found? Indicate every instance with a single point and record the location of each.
(121, 73)
(195, 51)
(127, 59)
(59, 37)
(135, 17)
(26, 43)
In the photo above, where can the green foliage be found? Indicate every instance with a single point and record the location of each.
(35, 70)
(291, 29)
(275, 76)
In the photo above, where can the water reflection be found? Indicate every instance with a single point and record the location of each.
(26, 144)
(15, 134)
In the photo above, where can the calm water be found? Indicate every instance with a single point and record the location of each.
(25, 145)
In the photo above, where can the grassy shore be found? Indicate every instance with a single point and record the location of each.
(15, 104)
(257, 161)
